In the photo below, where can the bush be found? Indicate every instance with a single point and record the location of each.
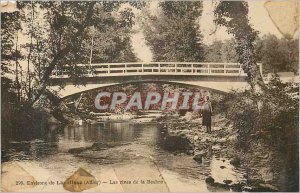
(267, 131)
(271, 116)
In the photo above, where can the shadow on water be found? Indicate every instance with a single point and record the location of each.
(27, 143)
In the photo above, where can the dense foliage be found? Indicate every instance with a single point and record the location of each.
(275, 54)
(275, 122)
(268, 130)
(220, 51)
(10, 55)
(173, 34)
(278, 55)
(234, 16)
(59, 34)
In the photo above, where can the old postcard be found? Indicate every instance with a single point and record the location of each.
(149, 96)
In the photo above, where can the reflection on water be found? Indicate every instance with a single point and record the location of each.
(86, 135)
(99, 132)
(57, 139)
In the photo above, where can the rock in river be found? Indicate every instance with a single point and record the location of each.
(198, 158)
(177, 143)
(210, 180)
(227, 181)
(236, 161)
(106, 145)
(76, 150)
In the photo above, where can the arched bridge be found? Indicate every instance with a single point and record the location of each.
(220, 77)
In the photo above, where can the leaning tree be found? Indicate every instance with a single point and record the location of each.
(234, 16)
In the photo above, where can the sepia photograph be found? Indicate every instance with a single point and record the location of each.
(149, 96)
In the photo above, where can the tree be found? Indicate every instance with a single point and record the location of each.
(68, 21)
(112, 43)
(10, 54)
(173, 34)
(33, 31)
(63, 39)
(220, 51)
(277, 55)
(234, 16)
(266, 115)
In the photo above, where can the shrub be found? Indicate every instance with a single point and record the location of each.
(271, 116)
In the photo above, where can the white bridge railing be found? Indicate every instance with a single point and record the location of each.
(154, 68)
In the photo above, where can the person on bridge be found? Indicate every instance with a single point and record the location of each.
(206, 113)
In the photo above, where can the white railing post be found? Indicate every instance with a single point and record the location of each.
(241, 70)
(260, 69)
(175, 68)
(159, 67)
(56, 74)
(192, 68)
(208, 70)
(143, 67)
(90, 70)
(108, 68)
(125, 68)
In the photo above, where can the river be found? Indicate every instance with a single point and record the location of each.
(138, 155)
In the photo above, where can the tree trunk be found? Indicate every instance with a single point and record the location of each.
(17, 73)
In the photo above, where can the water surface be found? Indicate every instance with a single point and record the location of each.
(139, 155)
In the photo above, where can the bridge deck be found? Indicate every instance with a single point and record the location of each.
(153, 68)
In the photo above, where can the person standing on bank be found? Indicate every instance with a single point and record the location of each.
(206, 114)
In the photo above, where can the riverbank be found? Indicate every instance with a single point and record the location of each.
(133, 117)
(249, 171)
